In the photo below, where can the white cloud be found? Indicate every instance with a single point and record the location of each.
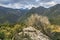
(15, 5)
(48, 4)
(29, 3)
(57, 1)
(18, 5)
(37, 0)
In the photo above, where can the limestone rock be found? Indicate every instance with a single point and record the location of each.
(30, 33)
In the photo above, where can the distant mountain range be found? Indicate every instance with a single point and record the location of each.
(10, 15)
(53, 13)
(19, 15)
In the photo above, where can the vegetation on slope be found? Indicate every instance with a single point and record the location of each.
(34, 19)
(41, 23)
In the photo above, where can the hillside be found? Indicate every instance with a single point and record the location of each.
(39, 28)
(19, 15)
(10, 15)
(30, 24)
(53, 13)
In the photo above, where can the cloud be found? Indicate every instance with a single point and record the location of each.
(57, 1)
(48, 4)
(45, 0)
(28, 3)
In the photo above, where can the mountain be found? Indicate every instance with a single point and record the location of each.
(53, 11)
(35, 29)
(39, 10)
(10, 15)
(54, 14)
(30, 24)
(20, 15)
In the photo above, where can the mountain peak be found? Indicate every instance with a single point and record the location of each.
(40, 7)
(57, 4)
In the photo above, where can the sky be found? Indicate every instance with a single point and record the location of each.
(17, 4)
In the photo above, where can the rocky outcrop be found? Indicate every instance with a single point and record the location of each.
(30, 33)
(39, 22)
(36, 29)
(35, 19)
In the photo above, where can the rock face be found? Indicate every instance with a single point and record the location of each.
(35, 30)
(30, 33)
(35, 19)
